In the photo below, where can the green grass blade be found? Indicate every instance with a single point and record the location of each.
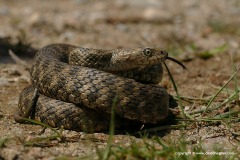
(42, 124)
(3, 142)
(177, 93)
(231, 98)
(235, 82)
(111, 129)
(219, 91)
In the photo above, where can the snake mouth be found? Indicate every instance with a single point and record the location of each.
(176, 61)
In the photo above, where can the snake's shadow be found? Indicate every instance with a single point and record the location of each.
(19, 48)
(149, 130)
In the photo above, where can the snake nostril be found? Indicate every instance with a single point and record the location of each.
(164, 53)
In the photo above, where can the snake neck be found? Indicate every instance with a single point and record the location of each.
(106, 60)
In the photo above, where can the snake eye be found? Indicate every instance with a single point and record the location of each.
(147, 52)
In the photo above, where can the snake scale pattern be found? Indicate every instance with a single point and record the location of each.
(77, 87)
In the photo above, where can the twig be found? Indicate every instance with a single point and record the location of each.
(195, 98)
(155, 129)
(17, 59)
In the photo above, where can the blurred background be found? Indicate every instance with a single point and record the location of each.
(188, 26)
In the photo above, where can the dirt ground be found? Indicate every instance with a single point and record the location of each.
(204, 35)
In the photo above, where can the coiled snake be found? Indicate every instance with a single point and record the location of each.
(77, 87)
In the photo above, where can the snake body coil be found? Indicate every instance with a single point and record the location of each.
(78, 86)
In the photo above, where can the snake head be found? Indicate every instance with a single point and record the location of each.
(154, 56)
(150, 56)
(139, 57)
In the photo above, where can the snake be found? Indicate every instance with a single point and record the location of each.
(81, 88)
